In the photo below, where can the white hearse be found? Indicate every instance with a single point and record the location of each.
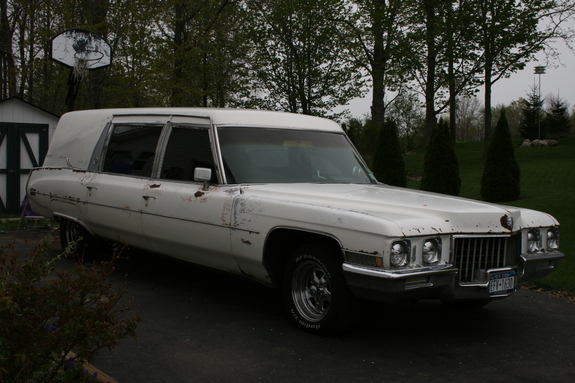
(283, 199)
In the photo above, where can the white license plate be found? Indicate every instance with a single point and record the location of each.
(502, 283)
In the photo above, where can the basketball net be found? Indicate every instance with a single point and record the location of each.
(80, 69)
(84, 60)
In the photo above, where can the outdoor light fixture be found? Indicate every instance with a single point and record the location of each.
(539, 70)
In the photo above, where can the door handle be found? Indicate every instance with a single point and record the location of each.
(147, 198)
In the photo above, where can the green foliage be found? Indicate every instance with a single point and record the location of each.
(363, 134)
(555, 165)
(441, 169)
(557, 119)
(388, 166)
(532, 126)
(501, 179)
(298, 68)
(45, 314)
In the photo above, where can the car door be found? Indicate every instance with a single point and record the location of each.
(114, 200)
(181, 217)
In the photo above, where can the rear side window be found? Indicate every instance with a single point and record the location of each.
(132, 149)
(188, 148)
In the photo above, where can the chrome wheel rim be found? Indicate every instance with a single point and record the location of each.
(72, 235)
(311, 291)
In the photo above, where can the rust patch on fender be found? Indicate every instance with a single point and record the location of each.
(199, 194)
(154, 186)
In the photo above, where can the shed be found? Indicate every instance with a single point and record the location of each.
(25, 132)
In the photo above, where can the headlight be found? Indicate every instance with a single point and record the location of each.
(533, 241)
(553, 239)
(431, 251)
(399, 254)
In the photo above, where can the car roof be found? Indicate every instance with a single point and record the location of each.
(226, 117)
(78, 132)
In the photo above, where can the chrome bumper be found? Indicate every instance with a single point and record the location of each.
(537, 266)
(438, 282)
(397, 285)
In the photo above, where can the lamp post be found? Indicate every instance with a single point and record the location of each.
(539, 70)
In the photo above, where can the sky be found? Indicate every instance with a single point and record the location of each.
(558, 79)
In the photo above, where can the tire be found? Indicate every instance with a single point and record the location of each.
(75, 240)
(316, 296)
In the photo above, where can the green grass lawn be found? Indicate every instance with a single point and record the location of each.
(547, 184)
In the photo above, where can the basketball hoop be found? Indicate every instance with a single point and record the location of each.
(84, 60)
(81, 50)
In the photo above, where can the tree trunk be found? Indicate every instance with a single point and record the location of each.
(431, 64)
(179, 39)
(487, 101)
(7, 65)
(378, 67)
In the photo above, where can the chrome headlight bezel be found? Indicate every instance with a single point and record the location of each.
(431, 251)
(552, 239)
(399, 255)
(534, 241)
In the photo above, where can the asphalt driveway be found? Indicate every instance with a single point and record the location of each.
(203, 326)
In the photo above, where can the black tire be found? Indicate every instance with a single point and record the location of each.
(316, 296)
(76, 241)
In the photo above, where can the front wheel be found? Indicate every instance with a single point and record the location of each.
(316, 295)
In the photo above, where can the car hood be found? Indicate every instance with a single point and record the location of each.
(405, 211)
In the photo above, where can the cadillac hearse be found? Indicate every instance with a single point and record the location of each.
(283, 199)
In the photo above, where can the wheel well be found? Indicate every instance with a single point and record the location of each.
(281, 243)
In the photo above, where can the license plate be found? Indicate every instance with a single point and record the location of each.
(502, 283)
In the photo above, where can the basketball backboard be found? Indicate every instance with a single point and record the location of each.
(74, 45)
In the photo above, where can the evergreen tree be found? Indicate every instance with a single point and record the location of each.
(532, 126)
(557, 121)
(441, 168)
(388, 165)
(501, 174)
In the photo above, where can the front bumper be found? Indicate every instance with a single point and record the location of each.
(440, 282)
(537, 266)
(393, 286)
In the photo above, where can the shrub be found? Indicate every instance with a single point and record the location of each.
(557, 119)
(441, 168)
(388, 165)
(45, 314)
(532, 123)
(501, 174)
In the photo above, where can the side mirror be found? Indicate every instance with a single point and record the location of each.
(203, 174)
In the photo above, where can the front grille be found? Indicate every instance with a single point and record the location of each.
(474, 254)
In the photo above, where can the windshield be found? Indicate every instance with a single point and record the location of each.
(259, 155)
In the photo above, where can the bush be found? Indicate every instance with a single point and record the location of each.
(441, 168)
(557, 119)
(500, 181)
(532, 123)
(388, 165)
(45, 314)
